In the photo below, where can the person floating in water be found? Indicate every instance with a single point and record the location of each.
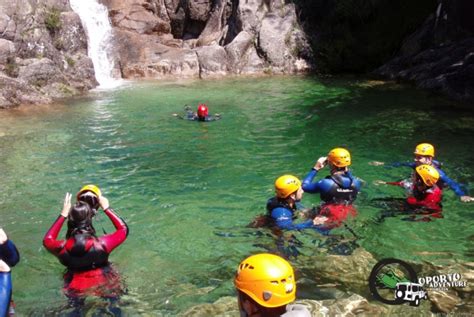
(337, 191)
(85, 255)
(266, 286)
(9, 257)
(424, 194)
(202, 114)
(282, 207)
(424, 154)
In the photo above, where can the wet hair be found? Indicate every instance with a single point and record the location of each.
(263, 311)
(79, 220)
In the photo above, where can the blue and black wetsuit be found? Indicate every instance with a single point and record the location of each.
(334, 189)
(281, 215)
(444, 180)
(8, 254)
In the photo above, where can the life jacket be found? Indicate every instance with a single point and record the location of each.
(273, 203)
(83, 252)
(339, 194)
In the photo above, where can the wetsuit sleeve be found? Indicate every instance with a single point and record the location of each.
(9, 253)
(5, 292)
(113, 240)
(50, 241)
(284, 220)
(452, 184)
(399, 164)
(431, 200)
(308, 185)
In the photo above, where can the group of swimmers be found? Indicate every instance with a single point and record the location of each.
(265, 282)
(339, 190)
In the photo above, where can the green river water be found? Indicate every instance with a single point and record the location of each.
(187, 190)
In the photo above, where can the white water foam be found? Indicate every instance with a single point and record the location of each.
(95, 20)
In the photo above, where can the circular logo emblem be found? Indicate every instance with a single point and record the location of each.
(387, 280)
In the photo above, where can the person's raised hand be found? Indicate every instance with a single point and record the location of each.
(66, 205)
(104, 202)
(320, 163)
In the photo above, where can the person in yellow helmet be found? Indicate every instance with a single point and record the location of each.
(425, 154)
(424, 194)
(282, 207)
(338, 190)
(82, 252)
(266, 286)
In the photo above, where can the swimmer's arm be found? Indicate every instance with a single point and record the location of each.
(49, 241)
(113, 240)
(283, 219)
(456, 187)
(9, 253)
(308, 185)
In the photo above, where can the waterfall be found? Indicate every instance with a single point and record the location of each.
(95, 20)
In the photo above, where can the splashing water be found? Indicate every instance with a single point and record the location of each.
(95, 20)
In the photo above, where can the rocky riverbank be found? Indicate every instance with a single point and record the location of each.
(43, 49)
(440, 55)
(43, 45)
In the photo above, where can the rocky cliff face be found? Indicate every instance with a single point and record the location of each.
(439, 55)
(43, 47)
(43, 52)
(207, 38)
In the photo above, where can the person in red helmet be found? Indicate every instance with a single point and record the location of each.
(202, 114)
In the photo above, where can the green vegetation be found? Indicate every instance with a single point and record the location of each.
(70, 61)
(52, 20)
(11, 68)
(357, 36)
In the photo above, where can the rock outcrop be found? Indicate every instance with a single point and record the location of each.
(43, 53)
(186, 38)
(440, 55)
(43, 47)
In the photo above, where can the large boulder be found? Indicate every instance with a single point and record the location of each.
(212, 61)
(242, 37)
(14, 92)
(7, 51)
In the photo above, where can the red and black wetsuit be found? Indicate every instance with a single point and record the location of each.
(429, 199)
(88, 269)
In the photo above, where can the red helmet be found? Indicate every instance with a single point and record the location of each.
(202, 110)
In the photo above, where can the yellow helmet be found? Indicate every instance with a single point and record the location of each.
(268, 279)
(428, 174)
(339, 157)
(286, 185)
(89, 188)
(425, 149)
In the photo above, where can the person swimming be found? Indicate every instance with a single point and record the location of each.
(202, 114)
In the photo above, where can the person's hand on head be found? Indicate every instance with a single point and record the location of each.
(3, 236)
(320, 163)
(66, 205)
(104, 202)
